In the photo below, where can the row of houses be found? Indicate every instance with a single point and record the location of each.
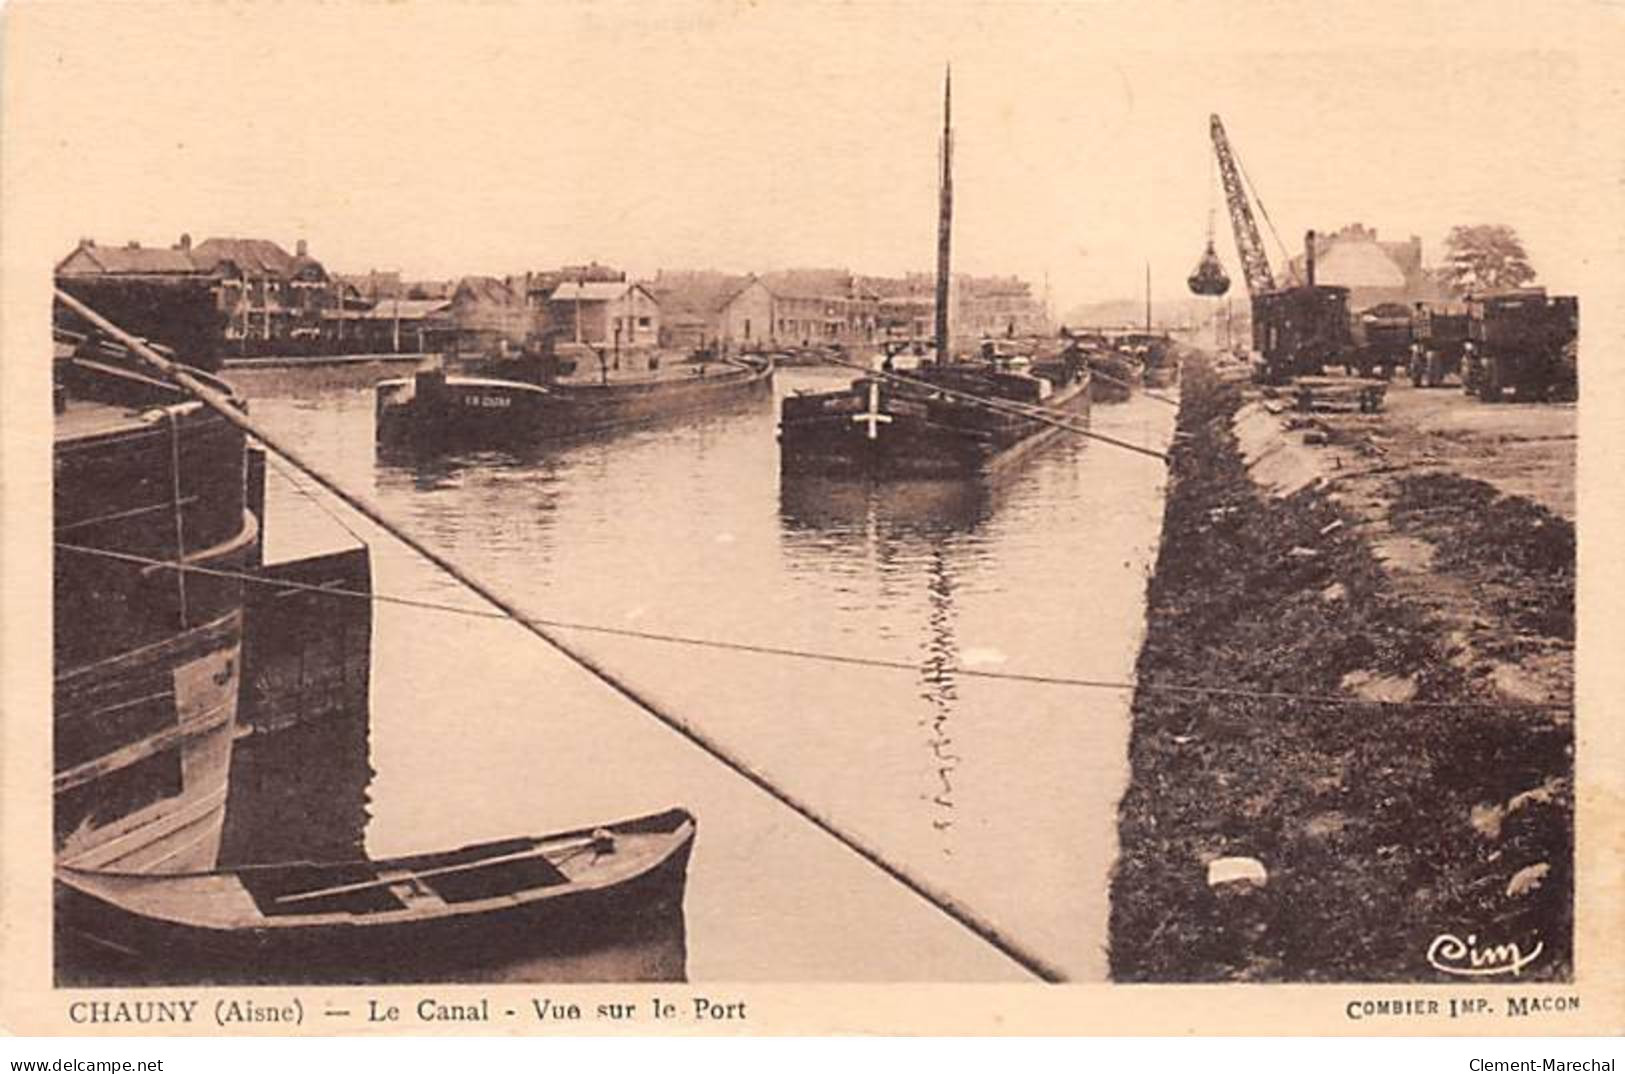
(811, 306)
(245, 297)
(223, 295)
(230, 297)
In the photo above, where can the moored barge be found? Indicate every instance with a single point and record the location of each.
(147, 659)
(434, 408)
(962, 419)
(946, 418)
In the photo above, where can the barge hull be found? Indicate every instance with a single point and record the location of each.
(910, 447)
(433, 410)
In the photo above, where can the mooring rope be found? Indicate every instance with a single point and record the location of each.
(850, 659)
(175, 499)
(1000, 406)
(943, 901)
(299, 487)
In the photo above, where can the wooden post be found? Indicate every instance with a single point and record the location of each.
(1148, 298)
(945, 214)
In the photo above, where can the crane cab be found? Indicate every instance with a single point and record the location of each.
(1297, 331)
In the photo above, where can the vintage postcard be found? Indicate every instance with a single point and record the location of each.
(759, 518)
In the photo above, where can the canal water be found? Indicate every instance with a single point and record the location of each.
(1002, 792)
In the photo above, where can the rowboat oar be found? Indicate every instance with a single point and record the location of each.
(990, 933)
(594, 843)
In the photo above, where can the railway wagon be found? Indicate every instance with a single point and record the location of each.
(1439, 339)
(1519, 342)
(1380, 339)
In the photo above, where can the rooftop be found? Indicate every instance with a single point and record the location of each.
(387, 309)
(254, 256)
(133, 258)
(597, 291)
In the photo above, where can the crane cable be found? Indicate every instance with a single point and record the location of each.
(1286, 257)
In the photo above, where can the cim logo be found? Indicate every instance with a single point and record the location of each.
(1464, 958)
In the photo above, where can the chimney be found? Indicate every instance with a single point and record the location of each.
(1309, 257)
(185, 245)
(299, 248)
(87, 244)
(132, 245)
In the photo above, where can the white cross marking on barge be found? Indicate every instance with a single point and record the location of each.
(874, 417)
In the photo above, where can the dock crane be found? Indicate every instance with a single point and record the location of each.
(1297, 328)
(1255, 266)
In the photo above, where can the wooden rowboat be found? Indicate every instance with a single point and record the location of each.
(480, 912)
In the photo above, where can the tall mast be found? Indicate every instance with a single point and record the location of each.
(1148, 298)
(945, 214)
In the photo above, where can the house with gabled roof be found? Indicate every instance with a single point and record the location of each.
(611, 313)
(693, 303)
(159, 293)
(821, 305)
(273, 300)
(131, 259)
(749, 314)
(487, 315)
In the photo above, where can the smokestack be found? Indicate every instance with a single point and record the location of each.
(185, 245)
(1309, 257)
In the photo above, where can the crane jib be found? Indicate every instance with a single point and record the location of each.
(1249, 245)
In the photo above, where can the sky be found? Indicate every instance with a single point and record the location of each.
(441, 139)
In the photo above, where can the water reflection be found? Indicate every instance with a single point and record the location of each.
(937, 678)
(915, 535)
(821, 507)
(479, 731)
(299, 794)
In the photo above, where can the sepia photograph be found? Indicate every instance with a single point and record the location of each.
(722, 496)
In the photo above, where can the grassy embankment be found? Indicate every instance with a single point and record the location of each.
(1381, 826)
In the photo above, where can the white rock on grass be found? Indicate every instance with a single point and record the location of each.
(1375, 687)
(1245, 873)
(1527, 880)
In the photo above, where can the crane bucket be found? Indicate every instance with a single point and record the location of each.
(1209, 277)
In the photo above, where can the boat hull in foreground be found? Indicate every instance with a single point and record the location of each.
(593, 904)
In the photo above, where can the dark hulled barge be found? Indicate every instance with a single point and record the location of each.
(147, 660)
(961, 419)
(946, 418)
(434, 408)
(156, 514)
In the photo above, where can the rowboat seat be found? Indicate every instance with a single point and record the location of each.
(276, 892)
(501, 878)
